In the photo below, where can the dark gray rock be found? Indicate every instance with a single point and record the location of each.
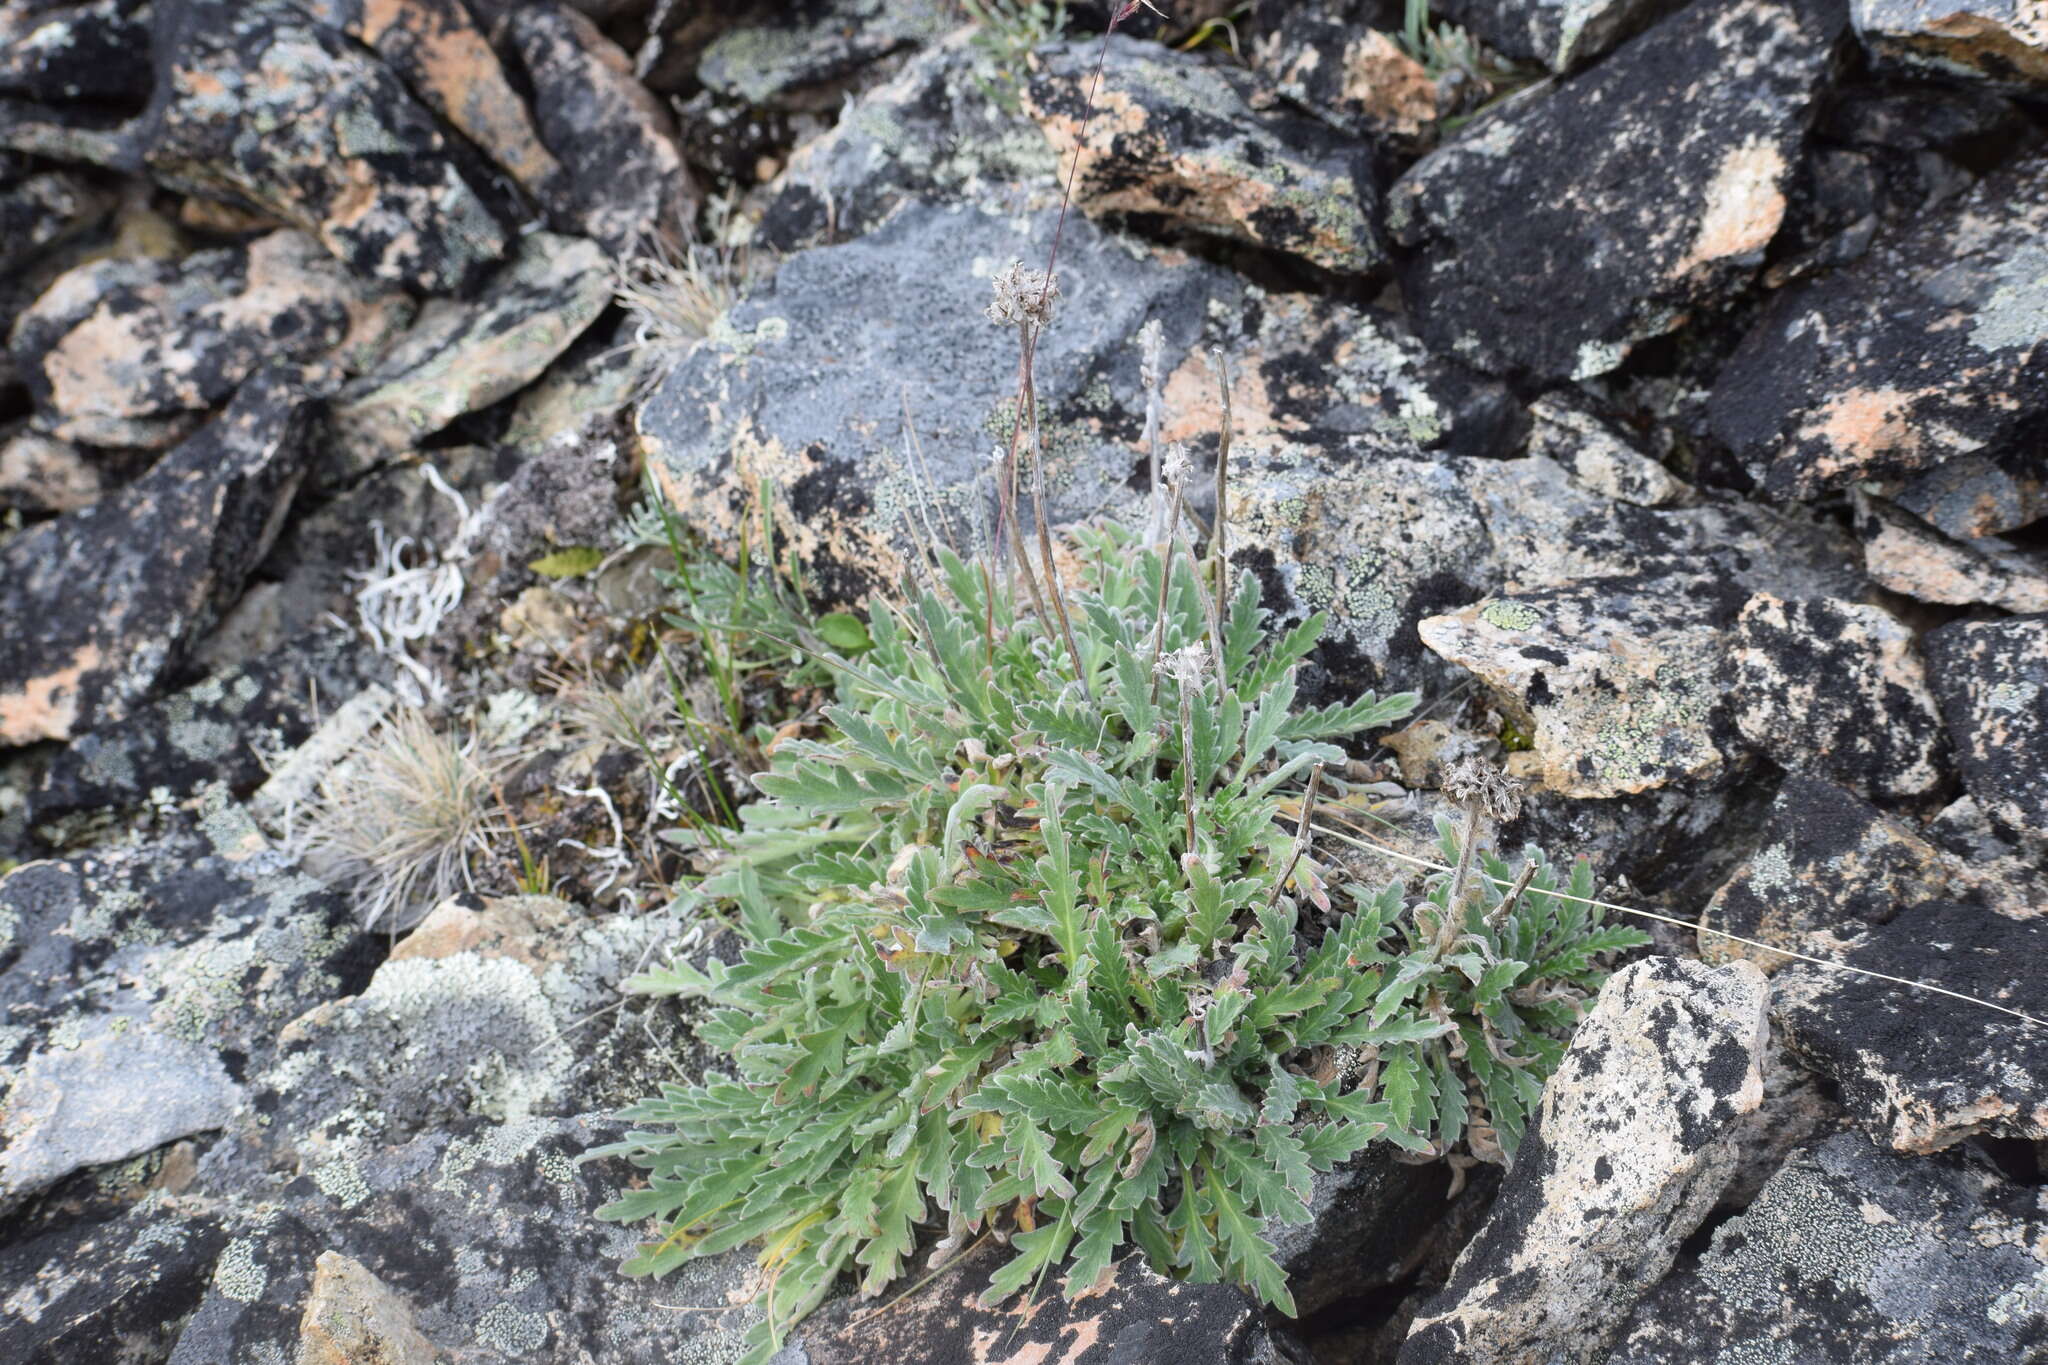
(1827, 866)
(41, 208)
(1332, 59)
(1851, 1256)
(802, 55)
(1551, 238)
(1992, 681)
(623, 176)
(1177, 136)
(2001, 42)
(1923, 350)
(1837, 685)
(1559, 34)
(488, 1232)
(260, 107)
(1374, 1222)
(1568, 429)
(1140, 1315)
(114, 1290)
(93, 51)
(1977, 495)
(104, 602)
(134, 351)
(1921, 1071)
(1637, 1135)
(931, 133)
(140, 985)
(219, 730)
(40, 473)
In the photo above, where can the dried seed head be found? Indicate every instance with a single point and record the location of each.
(1151, 353)
(1474, 779)
(1022, 295)
(1176, 465)
(1189, 666)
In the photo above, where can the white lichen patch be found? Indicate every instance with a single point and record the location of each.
(236, 1274)
(512, 1331)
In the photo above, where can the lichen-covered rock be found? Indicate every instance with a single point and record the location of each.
(814, 384)
(140, 985)
(623, 177)
(462, 356)
(132, 352)
(488, 1233)
(1904, 554)
(259, 106)
(55, 52)
(40, 473)
(1140, 1315)
(1637, 1135)
(1836, 685)
(1553, 237)
(1827, 866)
(1992, 681)
(41, 208)
(437, 49)
(103, 603)
(1559, 34)
(1565, 428)
(1853, 1255)
(1922, 1071)
(1176, 136)
(931, 133)
(1330, 59)
(796, 55)
(113, 1290)
(1925, 349)
(2004, 42)
(1615, 678)
(218, 730)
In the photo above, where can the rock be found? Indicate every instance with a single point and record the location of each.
(590, 387)
(1904, 554)
(1374, 1222)
(444, 59)
(107, 1093)
(218, 730)
(42, 209)
(1991, 678)
(106, 600)
(1923, 350)
(622, 167)
(1559, 34)
(1330, 59)
(1853, 1255)
(133, 352)
(54, 52)
(811, 381)
(1919, 1070)
(1566, 430)
(1827, 866)
(139, 985)
(1552, 238)
(261, 107)
(1836, 685)
(40, 473)
(1614, 678)
(113, 1290)
(1974, 495)
(1178, 137)
(799, 56)
(931, 133)
(1140, 1315)
(1425, 749)
(460, 357)
(354, 1318)
(1637, 1135)
(485, 1030)
(2004, 42)
(488, 1233)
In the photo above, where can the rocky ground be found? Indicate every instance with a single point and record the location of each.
(1660, 389)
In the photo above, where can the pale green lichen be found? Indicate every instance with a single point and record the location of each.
(511, 1331)
(237, 1275)
(1509, 615)
(342, 1181)
(2015, 314)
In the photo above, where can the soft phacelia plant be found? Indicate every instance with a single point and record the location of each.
(1053, 954)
